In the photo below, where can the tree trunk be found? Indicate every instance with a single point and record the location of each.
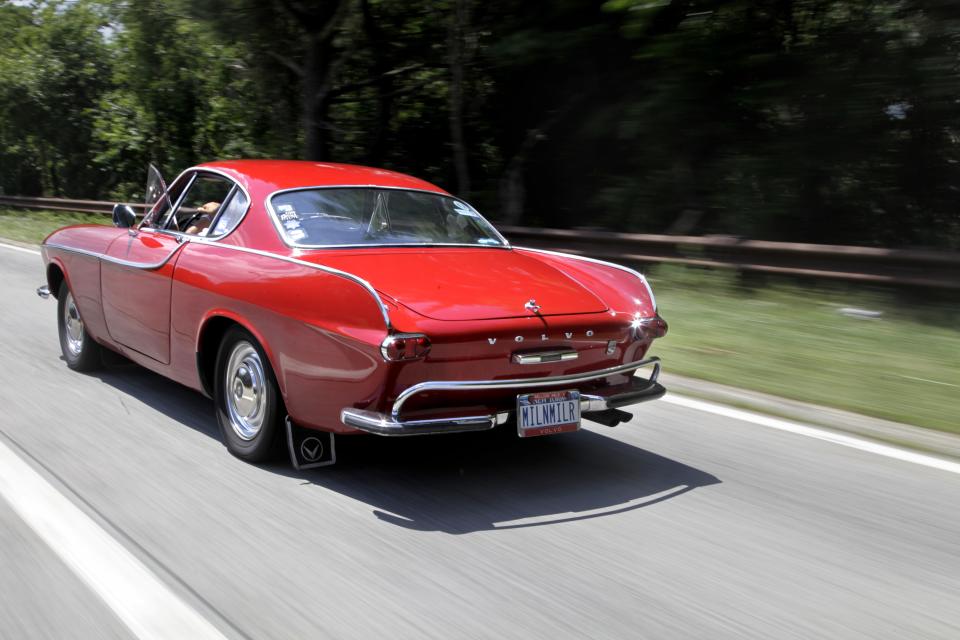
(320, 22)
(316, 86)
(457, 48)
(384, 87)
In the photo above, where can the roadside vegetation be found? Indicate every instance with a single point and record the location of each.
(865, 351)
(34, 226)
(871, 352)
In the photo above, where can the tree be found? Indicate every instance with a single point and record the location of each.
(802, 120)
(52, 61)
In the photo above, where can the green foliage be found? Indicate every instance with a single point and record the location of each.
(50, 81)
(805, 120)
(33, 226)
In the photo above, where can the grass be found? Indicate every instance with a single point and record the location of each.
(34, 226)
(787, 340)
(795, 342)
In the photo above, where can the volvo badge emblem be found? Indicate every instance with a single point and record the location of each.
(532, 306)
(545, 337)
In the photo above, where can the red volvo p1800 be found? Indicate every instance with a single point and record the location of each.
(315, 298)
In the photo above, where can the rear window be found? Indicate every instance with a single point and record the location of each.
(370, 216)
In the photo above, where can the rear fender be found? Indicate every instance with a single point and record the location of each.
(206, 348)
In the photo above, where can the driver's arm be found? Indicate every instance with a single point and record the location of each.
(206, 212)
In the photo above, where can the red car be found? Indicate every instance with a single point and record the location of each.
(309, 299)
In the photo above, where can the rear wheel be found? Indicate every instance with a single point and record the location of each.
(80, 351)
(249, 407)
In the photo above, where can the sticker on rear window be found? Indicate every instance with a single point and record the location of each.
(464, 209)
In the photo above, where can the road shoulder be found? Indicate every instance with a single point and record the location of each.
(904, 435)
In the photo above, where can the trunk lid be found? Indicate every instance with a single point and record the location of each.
(464, 283)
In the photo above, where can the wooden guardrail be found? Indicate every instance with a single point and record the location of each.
(898, 267)
(63, 204)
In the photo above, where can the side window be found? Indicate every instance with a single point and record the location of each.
(230, 215)
(158, 215)
(198, 208)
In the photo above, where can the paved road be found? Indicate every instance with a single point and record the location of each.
(682, 524)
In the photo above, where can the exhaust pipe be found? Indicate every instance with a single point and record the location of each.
(609, 417)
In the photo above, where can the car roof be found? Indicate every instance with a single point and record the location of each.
(267, 176)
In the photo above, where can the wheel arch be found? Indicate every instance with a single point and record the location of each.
(56, 275)
(212, 330)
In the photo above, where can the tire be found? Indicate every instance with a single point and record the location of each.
(249, 406)
(80, 350)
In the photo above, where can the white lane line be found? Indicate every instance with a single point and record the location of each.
(137, 596)
(886, 450)
(16, 248)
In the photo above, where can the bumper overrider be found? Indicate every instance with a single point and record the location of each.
(601, 405)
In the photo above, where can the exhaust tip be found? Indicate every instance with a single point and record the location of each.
(609, 417)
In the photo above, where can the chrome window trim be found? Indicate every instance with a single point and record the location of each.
(223, 208)
(176, 205)
(196, 170)
(643, 279)
(283, 237)
(223, 205)
(384, 312)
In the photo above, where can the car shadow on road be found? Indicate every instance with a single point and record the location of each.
(186, 406)
(461, 483)
(494, 481)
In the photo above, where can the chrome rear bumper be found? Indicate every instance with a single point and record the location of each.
(636, 391)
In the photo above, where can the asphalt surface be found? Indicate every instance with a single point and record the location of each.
(681, 524)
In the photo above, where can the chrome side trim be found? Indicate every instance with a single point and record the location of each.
(146, 266)
(521, 383)
(384, 312)
(643, 279)
(545, 356)
(303, 263)
(283, 237)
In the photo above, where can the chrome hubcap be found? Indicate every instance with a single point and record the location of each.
(245, 391)
(73, 326)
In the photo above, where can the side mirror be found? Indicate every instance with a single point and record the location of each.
(123, 216)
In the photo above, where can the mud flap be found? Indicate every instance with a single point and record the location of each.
(310, 448)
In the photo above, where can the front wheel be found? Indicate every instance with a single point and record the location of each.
(80, 351)
(249, 406)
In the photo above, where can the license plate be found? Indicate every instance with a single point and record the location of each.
(541, 414)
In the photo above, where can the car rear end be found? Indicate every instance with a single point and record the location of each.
(538, 374)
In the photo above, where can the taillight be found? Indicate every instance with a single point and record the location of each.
(649, 328)
(405, 346)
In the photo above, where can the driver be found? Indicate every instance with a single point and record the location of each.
(205, 217)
